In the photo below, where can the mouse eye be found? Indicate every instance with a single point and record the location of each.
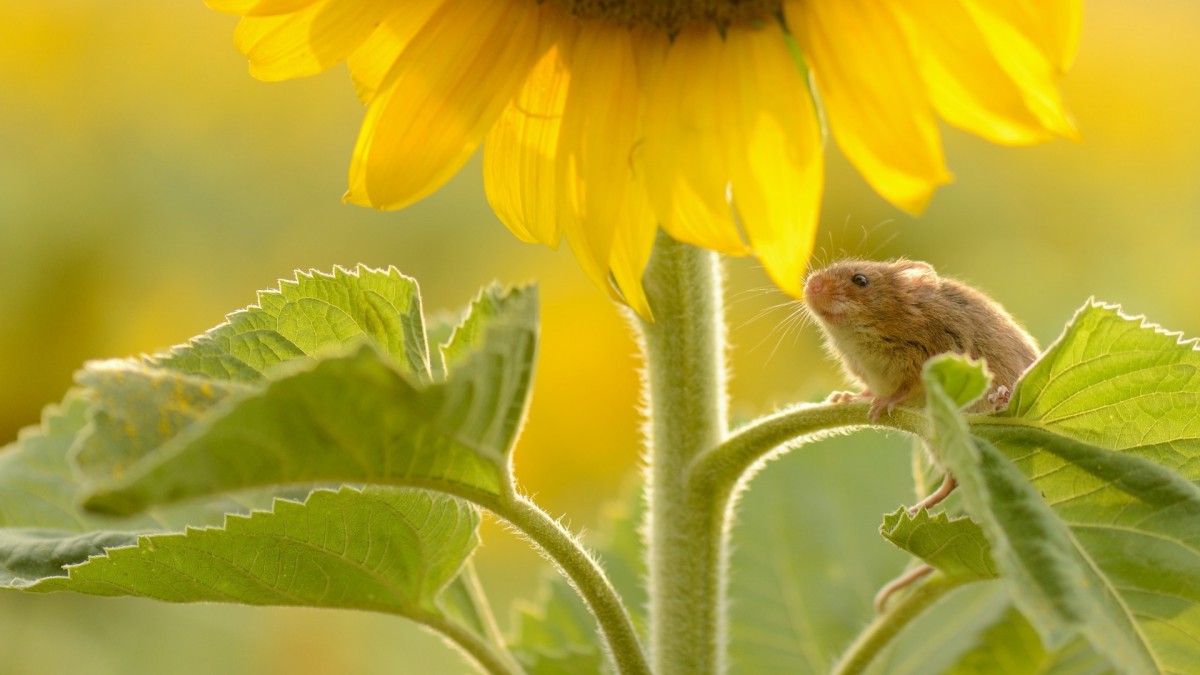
(859, 280)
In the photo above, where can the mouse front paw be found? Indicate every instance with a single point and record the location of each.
(847, 396)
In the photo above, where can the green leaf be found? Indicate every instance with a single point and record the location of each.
(353, 418)
(42, 527)
(471, 332)
(1119, 383)
(1104, 426)
(381, 549)
(327, 380)
(28, 555)
(1028, 542)
(1058, 584)
(962, 380)
(955, 546)
(136, 409)
(1136, 526)
(384, 549)
(313, 315)
(142, 404)
(1011, 645)
(36, 487)
(438, 328)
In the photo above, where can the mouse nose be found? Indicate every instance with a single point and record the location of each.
(815, 286)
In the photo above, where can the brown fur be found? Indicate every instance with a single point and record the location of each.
(884, 333)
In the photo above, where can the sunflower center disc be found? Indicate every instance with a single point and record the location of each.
(671, 15)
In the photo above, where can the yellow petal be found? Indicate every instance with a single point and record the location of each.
(873, 95)
(1017, 36)
(599, 130)
(687, 175)
(520, 151)
(1063, 19)
(370, 63)
(442, 96)
(650, 54)
(632, 244)
(258, 7)
(308, 41)
(634, 239)
(773, 143)
(965, 83)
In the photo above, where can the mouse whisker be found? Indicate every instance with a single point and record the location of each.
(763, 312)
(883, 244)
(753, 293)
(818, 259)
(793, 324)
(796, 319)
(780, 326)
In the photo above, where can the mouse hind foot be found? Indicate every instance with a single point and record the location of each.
(938, 495)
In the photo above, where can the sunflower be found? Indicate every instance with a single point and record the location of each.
(603, 119)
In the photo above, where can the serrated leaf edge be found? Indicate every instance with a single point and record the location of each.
(49, 413)
(1143, 322)
(154, 359)
(149, 539)
(893, 520)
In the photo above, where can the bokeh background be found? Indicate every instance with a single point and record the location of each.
(148, 186)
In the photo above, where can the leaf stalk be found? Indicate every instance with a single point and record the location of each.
(584, 574)
(490, 658)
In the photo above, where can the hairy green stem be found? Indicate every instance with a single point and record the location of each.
(684, 381)
(714, 476)
(489, 657)
(720, 468)
(886, 626)
(585, 575)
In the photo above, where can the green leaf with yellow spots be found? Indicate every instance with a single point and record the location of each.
(349, 418)
(203, 459)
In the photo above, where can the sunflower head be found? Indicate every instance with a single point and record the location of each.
(671, 16)
(602, 120)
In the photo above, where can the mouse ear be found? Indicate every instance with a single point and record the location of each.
(918, 273)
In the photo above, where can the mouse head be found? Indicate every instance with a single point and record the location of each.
(860, 292)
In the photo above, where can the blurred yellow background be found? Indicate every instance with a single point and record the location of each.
(148, 185)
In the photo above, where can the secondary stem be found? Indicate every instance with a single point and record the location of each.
(721, 467)
(685, 386)
(886, 626)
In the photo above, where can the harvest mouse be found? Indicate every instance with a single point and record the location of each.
(883, 320)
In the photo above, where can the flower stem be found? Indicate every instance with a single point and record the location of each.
(886, 626)
(685, 376)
